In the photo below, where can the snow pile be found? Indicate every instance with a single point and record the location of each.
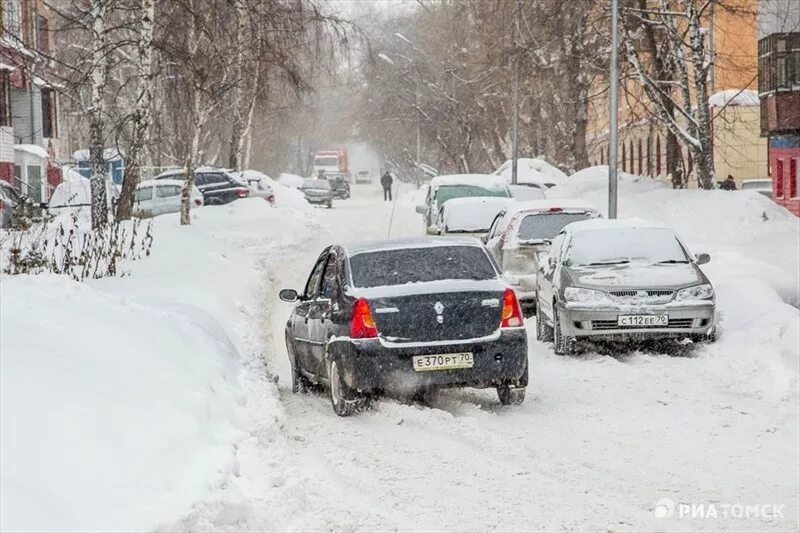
(755, 249)
(122, 398)
(472, 214)
(291, 180)
(285, 195)
(532, 170)
(731, 97)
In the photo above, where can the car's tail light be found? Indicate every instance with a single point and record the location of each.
(362, 325)
(271, 199)
(555, 210)
(198, 201)
(244, 193)
(511, 316)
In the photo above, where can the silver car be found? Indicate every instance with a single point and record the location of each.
(318, 192)
(618, 279)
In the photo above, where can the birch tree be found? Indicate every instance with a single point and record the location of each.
(98, 79)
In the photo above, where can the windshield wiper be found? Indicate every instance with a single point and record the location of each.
(602, 263)
(671, 261)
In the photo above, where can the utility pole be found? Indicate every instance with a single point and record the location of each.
(419, 119)
(515, 122)
(613, 112)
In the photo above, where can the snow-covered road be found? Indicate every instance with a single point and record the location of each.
(598, 443)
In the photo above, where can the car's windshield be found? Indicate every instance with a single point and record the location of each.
(316, 184)
(522, 193)
(448, 192)
(330, 161)
(546, 225)
(624, 245)
(412, 265)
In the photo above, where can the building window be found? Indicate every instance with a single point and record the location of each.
(5, 102)
(624, 159)
(649, 154)
(49, 113)
(778, 62)
(691, 161)
(778, 178)
(602, 155)
(42, 32)
(630, 155)
(639, 155)
(658, 155)
(12, 18)
(793, 178)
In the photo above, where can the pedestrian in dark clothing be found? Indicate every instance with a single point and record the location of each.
(729, 184)
(386, 182)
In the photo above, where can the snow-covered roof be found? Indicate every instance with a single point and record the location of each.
(487, 181)
(150, 183)
(34, 149)
(533, 168)
(548, 204)
(473, 214)
(732, 97)
(596, 224)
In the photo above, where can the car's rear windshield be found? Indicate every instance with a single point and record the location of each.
(414, 265)
(316, 184)
(625, 245)
(448, 192)
(546, 225)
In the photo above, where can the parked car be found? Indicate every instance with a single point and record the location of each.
(318, 191)
(524, 192)
(445, 188)
(618, 279)
(9, 200)
(363, 176)
(408, 315)
(521, 234)
(159, 197)
(261, 185)
(339, 184)
(762, 186)
(470, 216)
(217, 185)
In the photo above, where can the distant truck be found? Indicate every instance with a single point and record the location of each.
(330, 161)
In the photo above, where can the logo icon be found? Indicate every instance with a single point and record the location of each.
(438, 307)
(664, 508)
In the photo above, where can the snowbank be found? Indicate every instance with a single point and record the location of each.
(755, 248)
(285, 195)
(532, 170)
(121, 398)
(734, 97)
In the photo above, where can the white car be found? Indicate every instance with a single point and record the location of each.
(521, 234)
(158, 197)
(470, 216)
(260, 185)
(443, 189)
(524, 192)
(761, 186)
(363, 176)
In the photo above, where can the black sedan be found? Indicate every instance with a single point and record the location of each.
(406, 316)
(217, 185)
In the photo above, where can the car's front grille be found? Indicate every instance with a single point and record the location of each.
(677, 323)
(645, 296)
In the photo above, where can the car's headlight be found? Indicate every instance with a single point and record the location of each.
(698, 292)
(585, 296)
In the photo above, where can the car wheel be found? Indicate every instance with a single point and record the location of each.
(510, 395)
(544, 333)
(330, 204)
(345, 401)
(562, 344)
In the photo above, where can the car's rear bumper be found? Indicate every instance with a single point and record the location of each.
(371, 364)
(318, 199)
(688, 321)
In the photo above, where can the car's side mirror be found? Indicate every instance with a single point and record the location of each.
(421, 209)
(484, 238)
(551, 262)
(288, 295)
(702, 259)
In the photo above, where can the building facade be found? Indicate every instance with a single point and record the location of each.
(779, 94)
(29, 120)
(737, 146)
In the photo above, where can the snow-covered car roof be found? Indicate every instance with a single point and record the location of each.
(549, 204)
(487, 181)
(532, 170)
(596, 224)
(473, 214)
(410, 242)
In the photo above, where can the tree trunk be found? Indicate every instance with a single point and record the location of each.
(141, 115)
(98, 78)
(238, 130)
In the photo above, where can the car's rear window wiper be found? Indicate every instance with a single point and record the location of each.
(601, 263)
(671, 261)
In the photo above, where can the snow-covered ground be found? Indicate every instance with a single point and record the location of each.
(602, 442)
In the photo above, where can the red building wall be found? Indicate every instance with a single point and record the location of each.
(784, 160)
